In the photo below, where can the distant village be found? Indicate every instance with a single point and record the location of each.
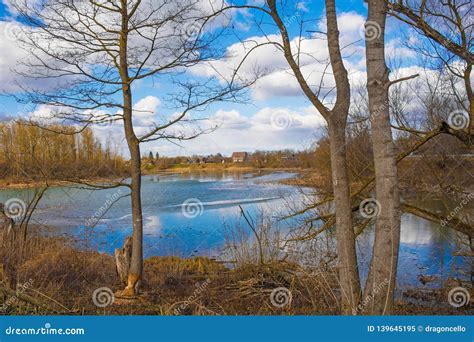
(258, 158)
(316, 156)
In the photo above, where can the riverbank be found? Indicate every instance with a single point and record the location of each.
(66, 280)
(11, 184)
(218, 168)
(169, 232)
(205, 168)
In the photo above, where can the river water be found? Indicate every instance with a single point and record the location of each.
(194, 214)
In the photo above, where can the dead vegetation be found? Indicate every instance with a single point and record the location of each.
(54, 278)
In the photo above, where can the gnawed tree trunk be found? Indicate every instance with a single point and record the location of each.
(135, 273)
(99, 33)
(383, 268)
(123, 258)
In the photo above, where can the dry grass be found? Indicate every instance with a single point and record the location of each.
(65, 278)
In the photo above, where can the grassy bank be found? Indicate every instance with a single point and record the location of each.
(62, 279)
(29, 184)
(11, 183)
(216, 167)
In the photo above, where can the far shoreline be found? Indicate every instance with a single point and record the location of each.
(206, 168)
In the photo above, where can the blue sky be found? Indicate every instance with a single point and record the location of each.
(276, 115)
(3, 10)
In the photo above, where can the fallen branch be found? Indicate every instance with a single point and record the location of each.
(28, 299)
(453, 223)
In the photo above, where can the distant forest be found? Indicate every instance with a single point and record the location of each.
(28, 152)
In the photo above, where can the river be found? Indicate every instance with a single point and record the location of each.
(194, 214)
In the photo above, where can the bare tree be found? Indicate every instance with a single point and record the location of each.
(448, 27)
(89, 54)
(446, 31)
(336, 118)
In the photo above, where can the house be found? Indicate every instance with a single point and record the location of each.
(239, 157)
(216, 158)
(289, 157)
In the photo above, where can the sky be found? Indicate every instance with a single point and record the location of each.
(275, 114)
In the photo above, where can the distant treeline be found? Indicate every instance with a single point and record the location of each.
(28, 152)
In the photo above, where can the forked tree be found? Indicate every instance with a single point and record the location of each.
(89, 54)
(336, 118)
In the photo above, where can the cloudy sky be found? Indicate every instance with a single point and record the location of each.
(274, 115)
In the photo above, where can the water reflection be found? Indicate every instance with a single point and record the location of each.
(426, 248)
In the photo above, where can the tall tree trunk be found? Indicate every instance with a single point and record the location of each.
(135, 274)
(346, 249)
(337, 119)
(383, 268)
(337, 122)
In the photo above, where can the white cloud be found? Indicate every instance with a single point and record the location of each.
(395, 49)
(270, 128)
(276, 79)
(182, 30)
(231, 120)
(350, 24)
(302, 6)
(43, 112)
(144, 111)
(10, 54)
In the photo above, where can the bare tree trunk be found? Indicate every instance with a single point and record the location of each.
(135, 273)
(383, 269)
(337, 122)
(348, 270)
(337, 119)
(99, 33)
